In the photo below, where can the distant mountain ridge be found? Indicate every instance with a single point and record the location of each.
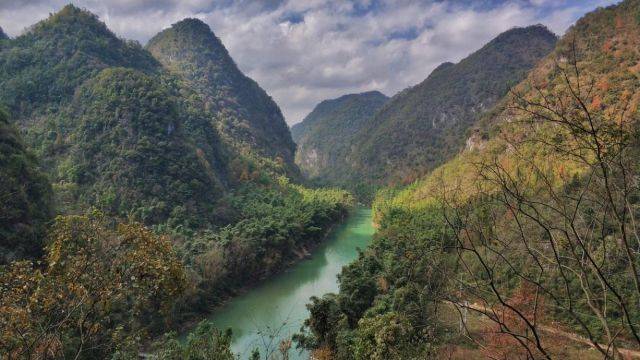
(423, 126)
(325, 136)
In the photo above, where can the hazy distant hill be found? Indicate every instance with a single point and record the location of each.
(325, 136)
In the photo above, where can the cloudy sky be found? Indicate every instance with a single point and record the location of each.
(305, 51)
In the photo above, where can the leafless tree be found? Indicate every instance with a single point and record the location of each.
(554, 213)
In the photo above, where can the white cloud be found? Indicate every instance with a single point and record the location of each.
(303, 52)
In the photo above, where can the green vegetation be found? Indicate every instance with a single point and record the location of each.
(389, 298)
(113, 131)
(189, 179)
(132, 157)
(204, 343)
(325, 136)
(25, 198)
(425, 125)
(116, 131)
(246, 117)
(100, 289)
(40, 70)
(269, 227)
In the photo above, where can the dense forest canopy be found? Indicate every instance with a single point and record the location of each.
(25, 197)
(246, 117)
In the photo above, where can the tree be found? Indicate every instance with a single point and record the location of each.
(206, 342)
(100, 290)
(565, 227)
(25, 198)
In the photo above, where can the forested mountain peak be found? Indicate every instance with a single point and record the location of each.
(3, 36)
(442, 67)
(41, 68)
(190, 34)
(327, 106)
(332, 103)
(524, 33)
(325, 136)
(348, 97)
(109, 124)
(425, 125)
(246, 116)
(77, 32)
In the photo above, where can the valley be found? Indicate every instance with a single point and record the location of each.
(155, 203)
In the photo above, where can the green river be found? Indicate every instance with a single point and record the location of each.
(275, 310)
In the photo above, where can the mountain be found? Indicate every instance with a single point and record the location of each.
(325, 136)
(604, 45)
(25, 194)
(3, 36)
(133, 156)
(245, 115)
(158, 134)
(113, 129)
(40, 70)
(425, 125)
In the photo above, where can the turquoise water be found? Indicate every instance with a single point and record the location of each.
(275, 310)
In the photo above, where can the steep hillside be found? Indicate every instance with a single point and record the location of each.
(132, 155)
(604, 46)
(325, 136)
(247, 118)
(425, 125)
(25, 198)
(111, 128)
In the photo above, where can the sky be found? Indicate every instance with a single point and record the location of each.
(305, 51)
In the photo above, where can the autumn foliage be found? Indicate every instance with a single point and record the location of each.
(98, 291)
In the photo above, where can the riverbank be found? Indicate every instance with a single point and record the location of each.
(301, 253)
(275, 309)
